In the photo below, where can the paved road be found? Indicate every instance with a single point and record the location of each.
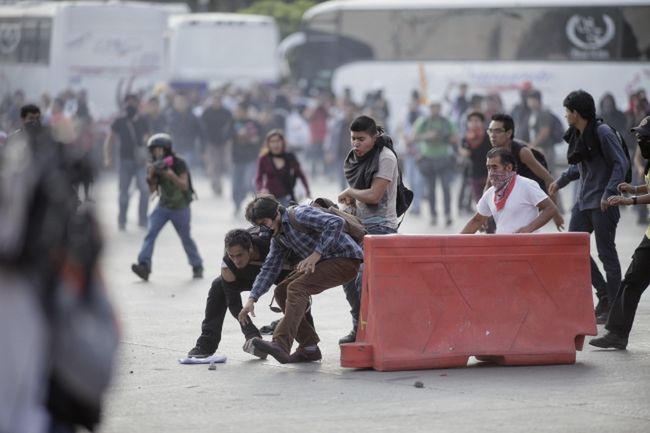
(604, 391)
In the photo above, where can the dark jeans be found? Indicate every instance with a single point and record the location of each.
(221, 297)
(293, 294)
(432, 170)
(603, 225)
(352, 289)
(637, 278)
(129, 170)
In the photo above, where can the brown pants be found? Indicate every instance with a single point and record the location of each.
(293, 293)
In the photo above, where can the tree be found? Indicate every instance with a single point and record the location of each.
(287, 14)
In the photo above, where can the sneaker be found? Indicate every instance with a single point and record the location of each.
(197, 272)
(199, 352)
(305, 355)
(250, 348)
(350, 338)
(609, 341)
(141, 270)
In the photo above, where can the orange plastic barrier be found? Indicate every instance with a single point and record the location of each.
(434, 301)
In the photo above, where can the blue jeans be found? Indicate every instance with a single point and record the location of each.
(180, 219)
(352, 289)
(603, 225)
(129, 169)
(243, 181)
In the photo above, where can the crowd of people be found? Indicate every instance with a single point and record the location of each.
(267, 139)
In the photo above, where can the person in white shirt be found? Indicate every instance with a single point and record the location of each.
(517, 204)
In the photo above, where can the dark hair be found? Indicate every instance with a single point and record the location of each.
(238, 237)
(582, 103)
(131, 97)
(505, 156)
(263, 206)
(365, 124)
(508, 123)
(29, 109)
(478, 114)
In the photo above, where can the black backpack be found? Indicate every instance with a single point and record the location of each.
(626, 152)
(557, 129)
(524, 170)
(404, 195)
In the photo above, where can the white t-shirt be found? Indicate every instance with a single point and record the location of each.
(520, 208)
(384, 212)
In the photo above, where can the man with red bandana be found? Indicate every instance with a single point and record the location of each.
(517, 204)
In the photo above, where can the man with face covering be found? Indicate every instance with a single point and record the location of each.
(517, 204)
(132, 131)
(637, 277)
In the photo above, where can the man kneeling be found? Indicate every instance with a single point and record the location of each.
(329, 257)
(517, 204)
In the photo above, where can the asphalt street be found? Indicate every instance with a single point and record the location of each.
(605, 391)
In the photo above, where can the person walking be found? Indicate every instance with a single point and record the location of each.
(132, 131)
(278, 170)
(597, 159)
(372, 173)
(170, 176)
(637, 278)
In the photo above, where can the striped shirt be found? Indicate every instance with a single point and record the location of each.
(328, 239)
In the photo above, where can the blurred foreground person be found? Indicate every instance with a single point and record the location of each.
(57, 330)
(170, 176)
(637, 277)
(517, 204)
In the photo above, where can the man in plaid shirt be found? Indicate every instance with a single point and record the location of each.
(329, 258)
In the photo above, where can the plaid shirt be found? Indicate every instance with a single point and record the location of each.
(328, 239)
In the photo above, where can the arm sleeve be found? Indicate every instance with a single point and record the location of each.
(615, 157)
(482, 207)
(387, 164)
(270, 270)
(259, 175)
(570, 174)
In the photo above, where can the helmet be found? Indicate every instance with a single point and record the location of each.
(160, 140)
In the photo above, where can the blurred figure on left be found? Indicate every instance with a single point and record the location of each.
(132, 131)
(54, 372)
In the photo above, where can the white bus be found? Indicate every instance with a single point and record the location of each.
(214, 48)
(52, 46)
(492, 45)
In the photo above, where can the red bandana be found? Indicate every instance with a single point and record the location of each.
(503, 185)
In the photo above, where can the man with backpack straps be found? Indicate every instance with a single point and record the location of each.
(598, 160)
(372, 172)
(328, 257)
(501, 132)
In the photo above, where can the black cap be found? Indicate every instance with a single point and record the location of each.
(644, 127)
